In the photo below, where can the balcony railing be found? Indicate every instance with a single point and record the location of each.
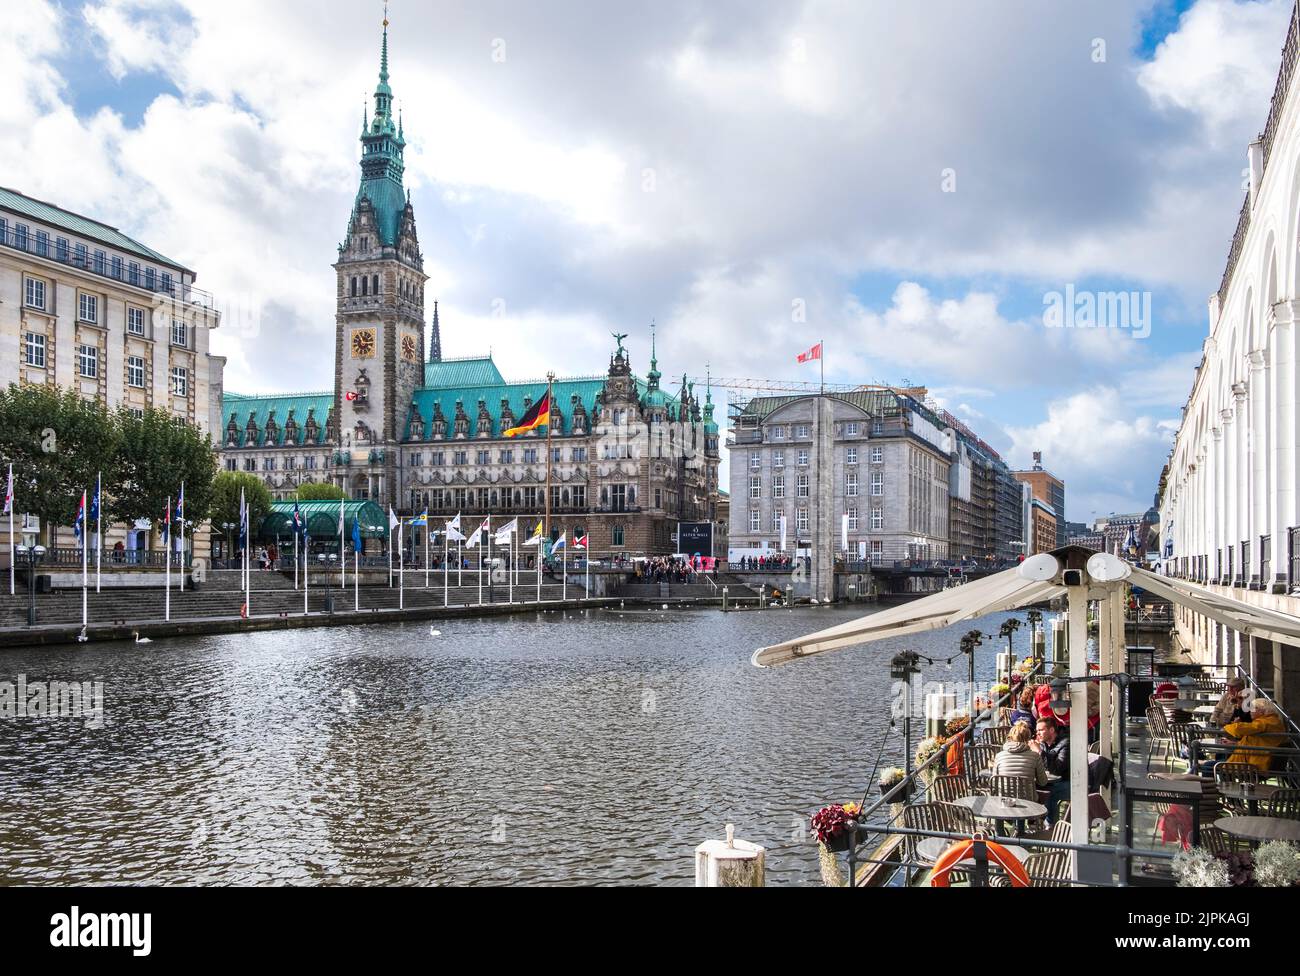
(104, 268)
(66, 557)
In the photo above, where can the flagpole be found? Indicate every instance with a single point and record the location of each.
(343, 558)
(821, 361)
(514, 548)
(99, 525)
(480, 567)
(182, 507)
(295, 558)
(85, 524)
(390, 550)
(356, 580)
(305, 606)
(586, 567)
(167, 600)
(564, 574)
(489, 554)
(248, 563)
(460, 562)
(446, 555)
(401, 575)
(426, 548)
(539, 569)
(10, 500)
(550, 405)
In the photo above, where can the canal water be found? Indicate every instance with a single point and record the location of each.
(594, 747)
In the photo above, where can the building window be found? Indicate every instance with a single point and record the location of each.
(803, 459)
(100, 262)
(851, 429)
(88, 308)
(34, 349)
(801, 486)
(88, 361)
(801, 432)
(776, 521)
(460, 457)
(877, 518)
(180, 333)
(42, 243)
(579, 496)
(877, 551)
(851, 484)
(180, 381)
(778, 486)
(81, 259)
(150, 278)
(135, 371)
(877, 455)
(61, 248)
(754, 520)
(117, 267)
(618, 535)
(755, 487)
(167, 282)
(778, 459)
(482, 457)
(530, 455)
(851, 456)
(877, 483)
(135, 321)
(133, 273)
(508, 456)
(801, 520)
(138, 414)
(755, 460)
(34, 296)
(438, 458)
(853, 519)
(778, 433)
(579, 454)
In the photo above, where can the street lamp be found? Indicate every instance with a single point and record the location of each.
(328, 560)
(229, 527)
(30, 557)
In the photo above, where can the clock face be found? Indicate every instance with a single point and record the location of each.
(363, 343)
(410, 351)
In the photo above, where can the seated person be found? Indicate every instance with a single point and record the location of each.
(1024, 710)
(1017, 759)
(1232, 705)
(1054, 746)
(1264, 730)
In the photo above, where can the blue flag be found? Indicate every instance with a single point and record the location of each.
(94, 505)
(356, 535)
(298, 527)
(180, 503)
(79, 526)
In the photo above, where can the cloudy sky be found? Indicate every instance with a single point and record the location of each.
(906, 181)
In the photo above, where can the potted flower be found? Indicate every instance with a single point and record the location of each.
(1277, 865)
(924, 751)
(832, 825)
(891, 785)
(1198, 868)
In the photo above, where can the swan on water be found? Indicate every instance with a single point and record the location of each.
(139, 639)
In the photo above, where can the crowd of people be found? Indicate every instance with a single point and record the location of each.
(667, 569)
(780, 562)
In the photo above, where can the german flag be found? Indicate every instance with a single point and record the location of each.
(538, 414)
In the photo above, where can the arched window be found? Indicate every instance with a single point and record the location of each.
(364, 284)
(374, 284)
(354, 286)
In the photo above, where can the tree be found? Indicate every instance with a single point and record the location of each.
(58, 442)
(225, 498)
(156, 454)
(312, 491)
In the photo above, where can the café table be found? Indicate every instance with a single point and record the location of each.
(1252, 793)
(1259, 829)
(1002, 808)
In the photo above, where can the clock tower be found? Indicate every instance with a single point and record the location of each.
(379, 343)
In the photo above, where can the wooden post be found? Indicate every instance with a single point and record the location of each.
(729, 863)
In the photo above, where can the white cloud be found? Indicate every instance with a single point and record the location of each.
(1220, 64)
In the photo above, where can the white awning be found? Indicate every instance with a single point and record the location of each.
(1001, 591)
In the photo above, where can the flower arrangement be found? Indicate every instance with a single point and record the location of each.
(891, 777)
(1198, 868)
(831, 822)
(928, 748)
(957, 724)
(1000, 689)
(1277, 865)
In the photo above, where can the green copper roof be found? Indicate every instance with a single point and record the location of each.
(280, 407)
(382, 145)
(585, 387)
(322, 518)
(471, 371)
(48, 213)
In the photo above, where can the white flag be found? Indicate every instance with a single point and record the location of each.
(340, 516)
(392, 518)
(783, 533)
(535, 538)
(505, 532)
(844, 533)
(9, 492)
(474, 538)
(455, 524)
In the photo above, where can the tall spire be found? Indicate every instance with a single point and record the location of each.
(383, 59)
(381, 156)
(435, 337)
(652, 377)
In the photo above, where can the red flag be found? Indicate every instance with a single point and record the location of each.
(814, 353)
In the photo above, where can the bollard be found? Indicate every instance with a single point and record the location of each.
(729, 863)
(938, 706)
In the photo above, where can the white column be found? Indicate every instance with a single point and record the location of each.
(1218, 501)
(1241, 500)
(1283, 428)
(1260, 524)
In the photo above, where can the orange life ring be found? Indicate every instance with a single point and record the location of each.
(964, 849)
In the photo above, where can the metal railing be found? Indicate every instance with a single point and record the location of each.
(65, 557)
(104, 268)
